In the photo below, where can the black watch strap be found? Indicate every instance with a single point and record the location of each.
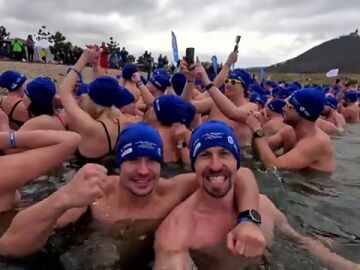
(249, 215)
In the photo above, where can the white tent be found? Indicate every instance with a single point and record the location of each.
(43, 44)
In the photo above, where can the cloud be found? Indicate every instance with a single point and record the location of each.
(272, 30)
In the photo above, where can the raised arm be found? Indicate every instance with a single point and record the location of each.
(20, 239)
(223, 103)
(220, 78)
(45, 150)
(77, 116)
(147, 97)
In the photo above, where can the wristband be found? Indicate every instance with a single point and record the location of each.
(190, 81)
(208, 87)
(77, 73)
(227, 64)
(12, 138)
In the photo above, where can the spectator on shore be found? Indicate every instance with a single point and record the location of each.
(16, 49)
(43, 54)
(30, 48)
(104, 56)
(124, 53)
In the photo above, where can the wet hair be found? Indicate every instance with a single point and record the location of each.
(36, 110)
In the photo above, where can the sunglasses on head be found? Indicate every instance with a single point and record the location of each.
(232, 81)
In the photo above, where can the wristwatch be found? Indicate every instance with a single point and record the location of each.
(259, 133)
(249, 215)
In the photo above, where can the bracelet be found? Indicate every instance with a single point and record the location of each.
(209, 86)
(190, 81)
(227, 64)
(12, 138)
(77, 72)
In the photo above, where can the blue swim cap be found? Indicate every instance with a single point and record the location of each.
(139, 140)
(350, 96)
(276, 105)
(178, 81)
(272, 84)
(12, 80)
(284, 93)
(213, 133)
(331, 101)
(275, 91)
(241, 75)
(160, 81)
(258, 99)
(128, 71)
(82, 88)
(172, 109)
(308, 102)
(41, 91)
(160, 71)
(106, 91)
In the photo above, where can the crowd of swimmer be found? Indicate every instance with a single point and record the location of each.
(184, 118)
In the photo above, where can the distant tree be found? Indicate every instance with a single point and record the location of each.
(113, 45)
(43, 34)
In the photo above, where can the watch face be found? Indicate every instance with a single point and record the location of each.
(255, 215)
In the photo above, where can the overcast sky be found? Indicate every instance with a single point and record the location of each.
(272, 30)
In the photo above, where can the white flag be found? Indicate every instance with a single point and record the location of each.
(332, 73)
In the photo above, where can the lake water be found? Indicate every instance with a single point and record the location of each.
(315, 204)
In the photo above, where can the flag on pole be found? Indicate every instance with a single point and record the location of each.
(214, 64)
(332, 73)
(174, 47)
(262, 73)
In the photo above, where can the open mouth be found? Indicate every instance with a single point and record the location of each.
(217, 180)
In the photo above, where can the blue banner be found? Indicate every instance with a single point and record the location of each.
(174, 47)
(262, 73)
(214, 64)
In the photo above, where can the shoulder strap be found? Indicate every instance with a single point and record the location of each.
(107, 136)
(13, 108)
(58, 116)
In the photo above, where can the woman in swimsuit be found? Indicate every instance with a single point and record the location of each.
(94, 116)
(12, 103)
(38, 100)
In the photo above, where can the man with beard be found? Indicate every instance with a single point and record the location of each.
(306, 145)
(137, 194)
(202, 222)
(330, 120)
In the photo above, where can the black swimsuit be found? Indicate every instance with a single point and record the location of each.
(82, 160)
(10, 115)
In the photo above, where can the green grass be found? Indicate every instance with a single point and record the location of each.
(317, 78)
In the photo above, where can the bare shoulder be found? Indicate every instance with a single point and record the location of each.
(245, 173)
(181, 185)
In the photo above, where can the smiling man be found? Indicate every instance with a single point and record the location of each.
(305, 144)
(137, 194)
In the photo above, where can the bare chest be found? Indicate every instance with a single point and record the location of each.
(211, 230)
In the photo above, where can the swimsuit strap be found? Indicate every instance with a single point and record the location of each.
(61, 119)
(107, 136)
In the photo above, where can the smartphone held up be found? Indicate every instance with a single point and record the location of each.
(237, 40)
